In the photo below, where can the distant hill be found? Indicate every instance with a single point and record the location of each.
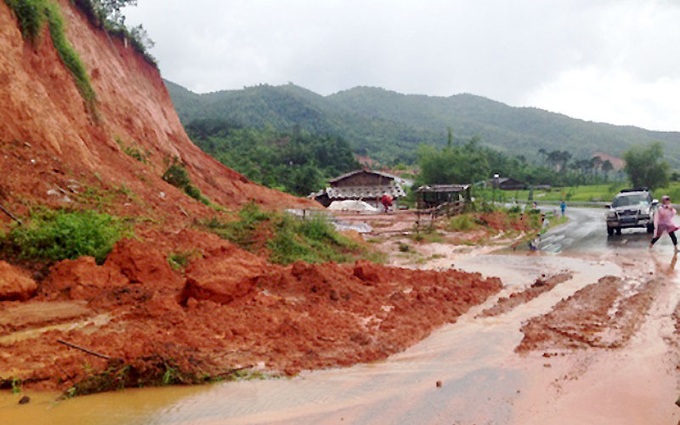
(389, 126)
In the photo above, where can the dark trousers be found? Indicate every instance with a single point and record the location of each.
(672, 236)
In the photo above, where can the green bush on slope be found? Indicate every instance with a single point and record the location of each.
(59, 235)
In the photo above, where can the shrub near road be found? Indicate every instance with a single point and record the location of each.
(58, 235)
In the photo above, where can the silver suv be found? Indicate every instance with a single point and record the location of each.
(631, 208)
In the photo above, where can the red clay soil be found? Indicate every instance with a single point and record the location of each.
(601, 315)
(57, 151)
(229, 309)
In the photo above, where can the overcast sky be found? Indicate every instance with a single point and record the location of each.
(615, 61)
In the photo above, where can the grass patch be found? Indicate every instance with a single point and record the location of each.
(180, 260)
(462, 223)
(177, 175)
(313, 241)
(287, 238)
(97, 198)
(30, 16)
(241, 232)
(590, 193)
(58, 235)
(429, 235)
(133, 151)
(68, 54)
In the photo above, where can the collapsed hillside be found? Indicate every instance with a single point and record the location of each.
(50, 141)
(133, 319)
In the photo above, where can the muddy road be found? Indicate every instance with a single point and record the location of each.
(585, 331)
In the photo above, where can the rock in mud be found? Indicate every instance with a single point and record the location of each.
(368, 272)
(140, 262)
(15, 285)
(223, 276)
(81, 279)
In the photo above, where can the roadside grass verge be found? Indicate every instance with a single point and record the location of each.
(590, 193)
(287, 239)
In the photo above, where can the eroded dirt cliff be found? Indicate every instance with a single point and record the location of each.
(134, 320)
(51, 142)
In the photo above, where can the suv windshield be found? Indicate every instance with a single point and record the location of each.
(631, 200)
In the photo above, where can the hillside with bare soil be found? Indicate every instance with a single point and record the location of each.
(133, 319)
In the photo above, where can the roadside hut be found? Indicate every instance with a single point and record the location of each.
(433, 196)
(362, 185)
(507, 183)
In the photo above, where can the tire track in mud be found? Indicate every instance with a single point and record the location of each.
(602, 315)
(540, 286)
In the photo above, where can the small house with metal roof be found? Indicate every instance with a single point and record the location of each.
(363, 185)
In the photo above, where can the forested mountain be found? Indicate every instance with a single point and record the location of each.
(389, 126)
(297, 161)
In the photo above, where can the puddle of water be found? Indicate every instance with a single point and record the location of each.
(129, 407)
(473, 360)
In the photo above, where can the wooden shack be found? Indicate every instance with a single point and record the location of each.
(435, 195)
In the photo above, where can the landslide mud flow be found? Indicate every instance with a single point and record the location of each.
(232, 312)
(558, 337)
(566, 340)
(133, 320)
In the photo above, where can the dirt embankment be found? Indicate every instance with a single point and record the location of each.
(57, 150)
(230, 310)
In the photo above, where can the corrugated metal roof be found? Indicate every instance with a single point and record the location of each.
(444, 188)
(351, 173)
(365, 192)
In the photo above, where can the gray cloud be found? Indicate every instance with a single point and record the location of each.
(578, 57)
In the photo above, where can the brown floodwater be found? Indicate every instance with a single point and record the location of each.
(464, 373)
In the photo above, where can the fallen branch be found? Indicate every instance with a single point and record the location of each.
(93, 353)
(12, 216)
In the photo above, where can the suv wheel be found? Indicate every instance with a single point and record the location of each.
(610, 231)
(650, 228)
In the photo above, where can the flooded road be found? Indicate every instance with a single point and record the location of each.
(464, 373)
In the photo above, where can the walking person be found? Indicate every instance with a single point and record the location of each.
(663, 222)
(563, 207)
(386, 200)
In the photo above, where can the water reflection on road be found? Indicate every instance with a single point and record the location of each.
(586, 233)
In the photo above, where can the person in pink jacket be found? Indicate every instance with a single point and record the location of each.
(663, 222)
